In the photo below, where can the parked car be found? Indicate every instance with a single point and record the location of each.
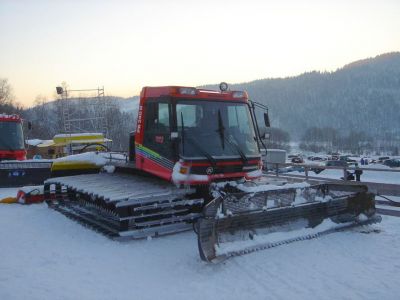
(297, 160)
(383, 158)
(316, 158)
(393, 163)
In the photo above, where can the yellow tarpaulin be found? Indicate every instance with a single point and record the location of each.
(8, 200)
(67, 139)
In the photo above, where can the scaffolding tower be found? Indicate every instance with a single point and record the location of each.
(84, 114)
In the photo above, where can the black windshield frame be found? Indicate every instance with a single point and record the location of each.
(11, 136)
(234, 151)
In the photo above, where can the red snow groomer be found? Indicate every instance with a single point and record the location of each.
(14, 169)
(195, 160)
(12, 145)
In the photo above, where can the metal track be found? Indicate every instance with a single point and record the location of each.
(124, 206)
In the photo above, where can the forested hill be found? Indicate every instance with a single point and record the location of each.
(361, 96)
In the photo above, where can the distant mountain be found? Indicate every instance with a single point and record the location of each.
(130, 104)
(363, 96)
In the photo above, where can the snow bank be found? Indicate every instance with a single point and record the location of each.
(270, 187)
(47, 256)
(96, 158)
(33, 142)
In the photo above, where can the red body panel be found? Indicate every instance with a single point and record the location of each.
(28, 198)
(12, 155)
(150, 166)
(161, 167)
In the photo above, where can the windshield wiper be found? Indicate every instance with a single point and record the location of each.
(238, 149)
(194, 142)
(204, 152)
(182, 134)
(221, 131)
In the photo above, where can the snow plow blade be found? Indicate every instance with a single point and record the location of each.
(22, 173)
(238, 222)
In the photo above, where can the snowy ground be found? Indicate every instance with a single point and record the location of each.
(44, 255)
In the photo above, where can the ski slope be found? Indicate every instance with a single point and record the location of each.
(44, 255)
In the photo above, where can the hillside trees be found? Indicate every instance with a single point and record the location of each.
(7, 99)
(329, 140)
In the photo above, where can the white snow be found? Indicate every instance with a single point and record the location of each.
(254, 174)
(47, 256)
(13, 116)
(269, 187)
(179, 178)
(99, 159)
(109, 169)
(33, 142)
(28, 189)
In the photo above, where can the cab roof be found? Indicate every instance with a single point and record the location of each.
(193, 93)
(10, 118)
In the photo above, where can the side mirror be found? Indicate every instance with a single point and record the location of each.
(263, 133)
(266, 120)
(29, 125)
(174, 135)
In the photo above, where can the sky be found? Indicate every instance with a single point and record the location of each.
(125, 45)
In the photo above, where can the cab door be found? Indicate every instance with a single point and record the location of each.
(157, 153)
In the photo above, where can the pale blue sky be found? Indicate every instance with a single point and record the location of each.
(125, 45)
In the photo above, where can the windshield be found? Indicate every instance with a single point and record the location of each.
(215, 128)
(11, 137)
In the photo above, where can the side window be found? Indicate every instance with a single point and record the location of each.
(163, 114)
(238, 117)
(157, 116)
(157, 134)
